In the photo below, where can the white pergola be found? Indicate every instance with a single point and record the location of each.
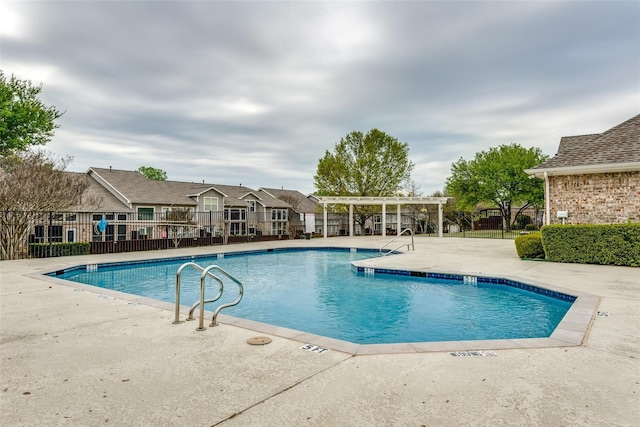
(383, 201)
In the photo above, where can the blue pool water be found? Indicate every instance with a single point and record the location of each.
(318, 291)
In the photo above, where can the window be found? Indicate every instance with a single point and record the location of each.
(252, 205)
(237, 229)
(210, 204)
(122, 232)
(71, 236)
(39, 233)
(278, 221)
(279, 215)
(145, 213)
(235, 214)
(55, 233)
(108, 233)
(71, 217)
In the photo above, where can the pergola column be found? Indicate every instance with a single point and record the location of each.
(377, 201)
(350, 219)
(384, 220)
(439, 219)
(324, 221)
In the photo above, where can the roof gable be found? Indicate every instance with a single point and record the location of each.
(97, 198)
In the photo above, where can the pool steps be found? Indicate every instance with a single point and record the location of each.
(410, 246)
(204, 273)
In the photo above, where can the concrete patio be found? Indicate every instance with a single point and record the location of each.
(72, 355)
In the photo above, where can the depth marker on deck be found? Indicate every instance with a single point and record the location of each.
(473, 353)
(314, 348)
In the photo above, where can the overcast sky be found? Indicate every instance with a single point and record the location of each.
(254, 93)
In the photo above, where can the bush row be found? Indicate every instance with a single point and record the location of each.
(606, 244)
(44, 250)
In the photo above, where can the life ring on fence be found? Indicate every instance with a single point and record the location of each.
(100, 226)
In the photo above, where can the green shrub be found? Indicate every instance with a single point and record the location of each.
(530, 227)
(529, 246)
(44, 250)
(607, 244)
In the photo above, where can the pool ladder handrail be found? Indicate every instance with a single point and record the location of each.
(204, 273)
(410, 246)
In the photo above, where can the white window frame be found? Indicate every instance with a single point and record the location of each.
(153, 213)
(278, 214)
(207, 204)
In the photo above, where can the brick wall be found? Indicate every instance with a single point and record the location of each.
(609, 198)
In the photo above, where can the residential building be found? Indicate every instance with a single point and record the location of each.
(594, 179)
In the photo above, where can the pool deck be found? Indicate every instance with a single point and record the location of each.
(72, 355)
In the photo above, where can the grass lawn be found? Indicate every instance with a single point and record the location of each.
(485, 234)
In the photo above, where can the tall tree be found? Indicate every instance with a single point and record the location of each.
(24, 120)
(31, 185)
(497, 176)
(153, 173)
(372, 164)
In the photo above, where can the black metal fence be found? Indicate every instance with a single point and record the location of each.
(35, 234)
(27, 234)
(489, 224)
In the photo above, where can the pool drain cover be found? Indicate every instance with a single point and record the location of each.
(259, 340)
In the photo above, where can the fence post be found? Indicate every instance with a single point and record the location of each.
(49, 231)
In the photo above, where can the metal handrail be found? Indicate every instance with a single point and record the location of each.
(412, 245)
(214, 319)
(217, 297)
(206, 272)
(182, 267)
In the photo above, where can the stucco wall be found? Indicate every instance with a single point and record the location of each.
(610, 198)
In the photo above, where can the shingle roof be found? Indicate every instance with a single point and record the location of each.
(301, 204)
(138, 189)
(96, 198)
(620, 144)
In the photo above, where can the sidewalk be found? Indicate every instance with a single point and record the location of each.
(75, 357)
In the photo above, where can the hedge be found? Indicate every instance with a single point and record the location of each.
(607, 244)
(530, 246)
(44, 250)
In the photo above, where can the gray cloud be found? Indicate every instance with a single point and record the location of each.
(255, 92)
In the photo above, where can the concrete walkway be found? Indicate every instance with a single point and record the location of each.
(72, 355)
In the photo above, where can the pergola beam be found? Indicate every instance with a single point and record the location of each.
(382, 201)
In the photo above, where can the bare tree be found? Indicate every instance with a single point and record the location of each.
(294, 201)
(33, 183)
(293, 226)
(179, 223)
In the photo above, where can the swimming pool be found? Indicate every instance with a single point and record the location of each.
(320, 292)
